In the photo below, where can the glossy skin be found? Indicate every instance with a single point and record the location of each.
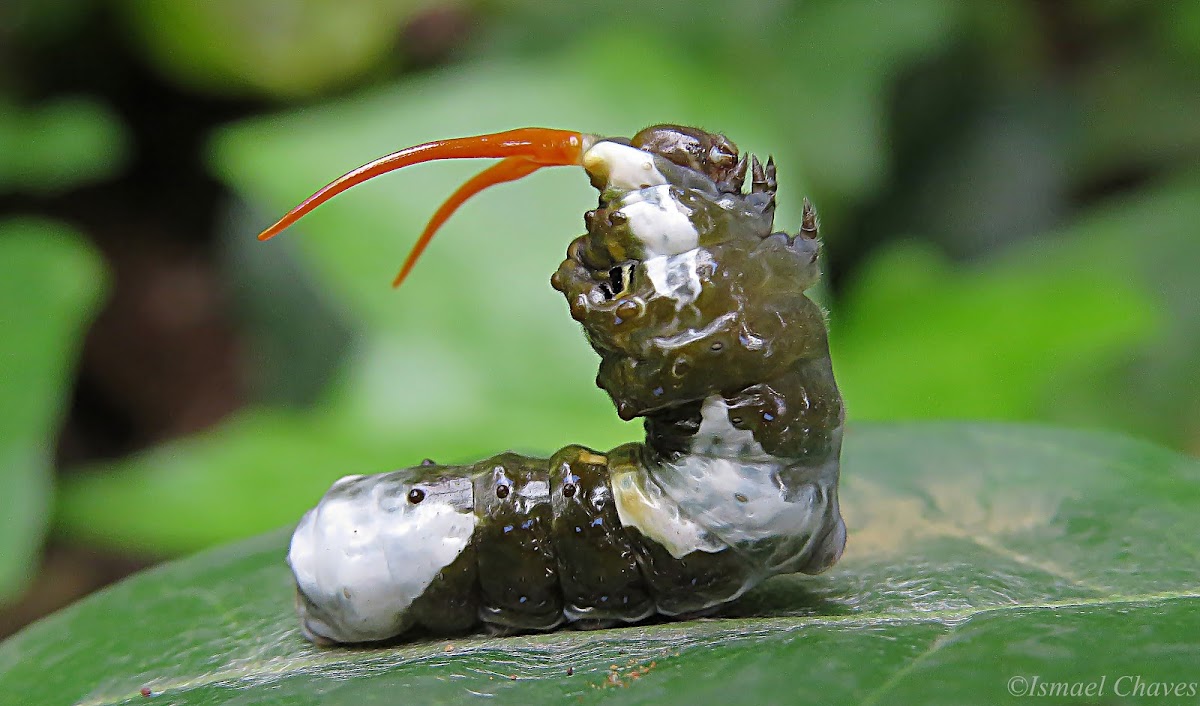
(706, 333)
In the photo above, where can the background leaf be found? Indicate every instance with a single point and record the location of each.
(65, 143)
(919, 338)
(977, 553)
(265, 47)
(1096, 323)
(51, 284)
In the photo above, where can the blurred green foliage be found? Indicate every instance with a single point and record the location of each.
(1009, 210)
(276, 48)
(64, 144)
(51, 284)
(977, 344)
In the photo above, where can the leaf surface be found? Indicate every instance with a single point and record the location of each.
(978, 555)
(50, 285)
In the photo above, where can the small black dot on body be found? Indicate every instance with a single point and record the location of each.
(569, 490)
(428, 462)
(502, 491)
(416, 495)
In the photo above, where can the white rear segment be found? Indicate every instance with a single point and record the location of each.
(365, 553)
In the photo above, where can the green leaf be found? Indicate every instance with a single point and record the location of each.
(62, 144)
(275, 48)
(1095, 324)
(50, 285)
(977, 554)
(1146, 240)
(919, 337)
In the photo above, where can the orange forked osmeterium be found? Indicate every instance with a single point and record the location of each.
(523, 151)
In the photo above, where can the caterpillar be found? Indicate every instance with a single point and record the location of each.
(698, 311)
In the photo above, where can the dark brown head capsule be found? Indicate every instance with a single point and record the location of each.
(711, 154)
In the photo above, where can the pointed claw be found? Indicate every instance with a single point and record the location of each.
(758, 178)
(809, 225)
(540, 146)
(772, 185)
(510, 169)
(737, 178)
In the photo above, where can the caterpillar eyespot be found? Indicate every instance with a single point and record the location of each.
(697, 309)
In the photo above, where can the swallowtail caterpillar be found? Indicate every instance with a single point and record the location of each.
(698, 312)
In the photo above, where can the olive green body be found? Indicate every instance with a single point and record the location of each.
(549, 548)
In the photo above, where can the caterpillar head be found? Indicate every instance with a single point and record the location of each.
(711, 154)
(372, 547)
